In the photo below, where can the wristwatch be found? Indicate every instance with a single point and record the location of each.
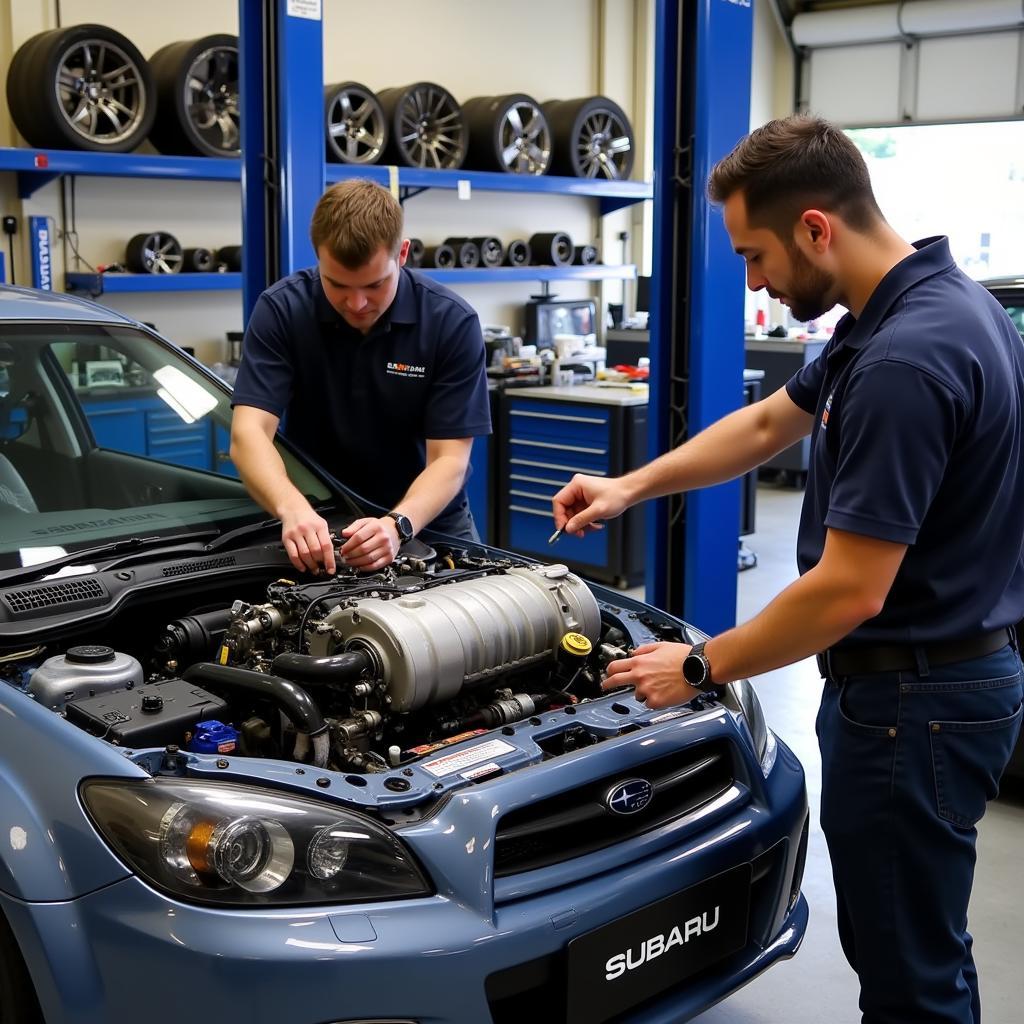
(697, 669)
(403, 525)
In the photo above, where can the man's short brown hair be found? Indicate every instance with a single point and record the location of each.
(794, 164)
(353, 219)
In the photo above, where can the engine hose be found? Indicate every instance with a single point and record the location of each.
(296, 704)
(334, 668)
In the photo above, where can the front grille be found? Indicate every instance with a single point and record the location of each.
(54, 597)
(576, 823)
(198, 565)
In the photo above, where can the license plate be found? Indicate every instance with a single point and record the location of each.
(633, 958)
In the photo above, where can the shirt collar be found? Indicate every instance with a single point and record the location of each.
(932, 257)
(401, 311)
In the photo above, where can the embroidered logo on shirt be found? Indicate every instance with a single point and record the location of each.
(406, 370)
(827, 410)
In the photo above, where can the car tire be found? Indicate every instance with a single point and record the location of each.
(592, 138)
(46, 111)
(18, 1002)
(197, 97)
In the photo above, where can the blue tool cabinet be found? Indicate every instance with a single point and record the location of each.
(549, 435)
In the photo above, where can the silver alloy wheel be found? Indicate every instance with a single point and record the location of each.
(432, 131)
(603, 146)
(211, 98)
(525, 139)
(162, 254)
(100, 92)
(356, 126)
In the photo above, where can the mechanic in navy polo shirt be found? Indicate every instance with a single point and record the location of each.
(910, 552)
(375, 371)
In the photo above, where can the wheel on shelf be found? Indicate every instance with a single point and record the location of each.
(357, 128)
(230, 256)
(416, 250)
(518, 253)
(440, 256)
(425, 126)
(585, 255)
(155, 253)
(507, 133)
(84, 87)
(197, 97)
(466, 251)
(198, 261)
(553, 249)
(593, 138)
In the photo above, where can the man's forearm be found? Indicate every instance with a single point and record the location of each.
(432, 490)
(732, 446)
(811, 614)
(262, 471)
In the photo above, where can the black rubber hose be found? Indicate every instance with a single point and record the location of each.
(293, 700)
(332, 668)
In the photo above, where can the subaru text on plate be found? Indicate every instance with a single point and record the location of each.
(233, 791)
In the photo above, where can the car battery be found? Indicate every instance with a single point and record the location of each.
(147, 716)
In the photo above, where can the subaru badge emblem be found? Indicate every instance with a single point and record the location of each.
(629, 797)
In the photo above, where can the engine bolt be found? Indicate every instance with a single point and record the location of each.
(300, 771)
(323, 783)
(407, 771)
(222, 763)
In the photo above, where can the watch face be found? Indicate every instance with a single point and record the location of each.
(694, 669)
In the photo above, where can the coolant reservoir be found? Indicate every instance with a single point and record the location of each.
(83, 672)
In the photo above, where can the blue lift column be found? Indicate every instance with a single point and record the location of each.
(281, 67)
(702, 108)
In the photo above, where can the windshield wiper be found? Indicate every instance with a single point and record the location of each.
(118, 547)
(224, 539)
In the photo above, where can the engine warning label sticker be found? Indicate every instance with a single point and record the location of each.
(463, 759)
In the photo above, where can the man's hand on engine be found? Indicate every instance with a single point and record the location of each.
(655, 671)
(370, 543)
(307, 540)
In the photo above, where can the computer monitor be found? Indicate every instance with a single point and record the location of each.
(547, 317)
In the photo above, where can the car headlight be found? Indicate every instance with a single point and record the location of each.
(238, 845)
(740, 698)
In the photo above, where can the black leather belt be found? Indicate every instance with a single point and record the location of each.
(859, 661)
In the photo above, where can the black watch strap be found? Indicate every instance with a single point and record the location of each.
(697, 669)
(403, 525)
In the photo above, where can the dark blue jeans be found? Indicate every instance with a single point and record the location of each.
(908, 764)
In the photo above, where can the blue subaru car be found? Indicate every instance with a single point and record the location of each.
(233, 792)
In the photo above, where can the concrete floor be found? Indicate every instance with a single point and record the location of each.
(817, 985)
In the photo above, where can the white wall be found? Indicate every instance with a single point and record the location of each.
(551, 50)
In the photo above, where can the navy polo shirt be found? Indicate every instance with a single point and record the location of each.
(364, 406)
(917, 439)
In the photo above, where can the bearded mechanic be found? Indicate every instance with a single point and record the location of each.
(375, 371)
(910, 549)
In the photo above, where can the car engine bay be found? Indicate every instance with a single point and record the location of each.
(359, 673)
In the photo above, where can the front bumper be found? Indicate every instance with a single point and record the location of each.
(126, 951)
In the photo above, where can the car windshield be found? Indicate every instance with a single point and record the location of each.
(107, 433)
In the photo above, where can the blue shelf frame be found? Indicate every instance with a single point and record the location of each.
(613, 195)
(37, 167)
(109, 284)
(100, 284)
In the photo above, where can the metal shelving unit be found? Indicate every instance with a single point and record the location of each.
(98, 284)
(37, 167)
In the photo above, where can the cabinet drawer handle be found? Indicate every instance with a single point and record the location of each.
(535, 480)
(560, 447)
(530, 494)
(529, 511)
(559, 416)
(557, 465)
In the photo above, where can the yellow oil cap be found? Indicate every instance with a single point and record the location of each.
(576, 644)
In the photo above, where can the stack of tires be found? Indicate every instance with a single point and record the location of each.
(88, 87)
